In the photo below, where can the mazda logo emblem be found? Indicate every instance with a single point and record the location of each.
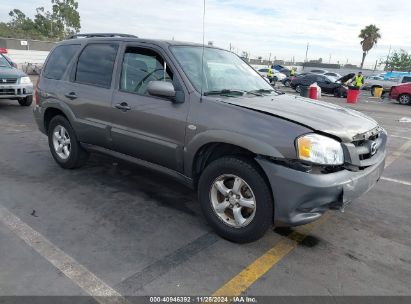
(373, 148)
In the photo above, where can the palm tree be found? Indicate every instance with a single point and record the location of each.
(369, 35)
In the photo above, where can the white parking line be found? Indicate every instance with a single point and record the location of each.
(403, 137)
(398, 153)
(395, 180)
(79, 274)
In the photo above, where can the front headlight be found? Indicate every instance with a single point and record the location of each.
(25, 80)
(319, 149)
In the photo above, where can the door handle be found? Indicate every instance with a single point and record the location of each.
(71, 95)
(122, 106)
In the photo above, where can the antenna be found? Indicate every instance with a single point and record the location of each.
(202, 55)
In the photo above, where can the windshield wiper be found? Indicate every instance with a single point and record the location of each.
(225, 92)
(267, 91)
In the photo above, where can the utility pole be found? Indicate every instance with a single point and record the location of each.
(306, 52)
(269, 58)
(388, 56)
(329, 59)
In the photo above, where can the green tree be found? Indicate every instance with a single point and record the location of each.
(369, 35)
(66, 17)
(399, 61)
(62, 21)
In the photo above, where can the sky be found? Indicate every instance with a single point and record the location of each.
(263, 27)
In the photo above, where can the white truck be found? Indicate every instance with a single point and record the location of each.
(371, 84)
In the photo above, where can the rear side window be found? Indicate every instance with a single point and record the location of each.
(59, 60)
(95, 64)
(406, 79)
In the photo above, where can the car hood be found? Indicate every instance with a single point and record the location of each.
(9, 72)
(345, 78)
(317, 115)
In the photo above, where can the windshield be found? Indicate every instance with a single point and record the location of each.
(223, 70)
(4, 62)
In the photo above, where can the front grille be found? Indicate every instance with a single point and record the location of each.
(366, 149)
(7, 92)
(7, 80)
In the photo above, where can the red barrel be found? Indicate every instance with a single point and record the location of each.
(313, 93)
(352, 95)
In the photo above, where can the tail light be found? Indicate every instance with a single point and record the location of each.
(3, 50)
(36, 92)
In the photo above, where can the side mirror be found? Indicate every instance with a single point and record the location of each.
(161, 89)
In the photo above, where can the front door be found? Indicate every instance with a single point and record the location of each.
(143, 126)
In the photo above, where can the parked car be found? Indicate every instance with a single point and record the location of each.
(256, 156)
(281, 69)
(277, 76)
(14, 84)
(327, 85)
(386, 85)
(287, 81)
(319, 71)
(401, 93)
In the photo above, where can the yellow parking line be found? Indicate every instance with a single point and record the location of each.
(242, 281)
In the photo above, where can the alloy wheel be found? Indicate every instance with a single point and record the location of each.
(233, 200)
(61, 142)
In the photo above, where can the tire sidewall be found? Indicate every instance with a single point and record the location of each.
(75, 146)
(26, 102)
(264, 204)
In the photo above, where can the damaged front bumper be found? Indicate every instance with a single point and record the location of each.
(301, 197)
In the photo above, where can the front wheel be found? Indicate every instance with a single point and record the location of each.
(287, 83)
(298, 89)
(26, 102)
(405, 99)
(236, 199)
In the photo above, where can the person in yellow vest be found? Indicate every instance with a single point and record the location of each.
(292, 72)
(270, 74)
(358, 80)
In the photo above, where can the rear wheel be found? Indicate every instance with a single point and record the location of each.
(63, 143)
(287, 83)
(235, 199)
(26, 102)
(405, 99)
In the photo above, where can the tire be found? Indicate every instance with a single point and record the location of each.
(254, 188)
(26, 102)
(404, 99)
(298, 88)
(77, 156)
(275, 79)
(287, 83)
(337, 93)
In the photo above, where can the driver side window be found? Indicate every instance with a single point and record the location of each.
(140, 66)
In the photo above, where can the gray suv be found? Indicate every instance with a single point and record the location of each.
(256, 156)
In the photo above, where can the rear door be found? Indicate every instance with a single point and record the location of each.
(90, 90)
(325, 84)
(150, 128)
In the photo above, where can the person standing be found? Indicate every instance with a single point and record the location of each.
(270, 74)
(292, 72)
(358, 80)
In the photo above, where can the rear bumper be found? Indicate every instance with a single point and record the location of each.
(16, 91)
(300, 197)
(38, 114)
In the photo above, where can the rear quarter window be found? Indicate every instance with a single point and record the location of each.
(59, 60)
(95, 64)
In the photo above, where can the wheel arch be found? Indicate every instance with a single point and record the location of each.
(214, 144)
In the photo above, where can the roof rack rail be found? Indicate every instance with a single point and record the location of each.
(100, 35)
